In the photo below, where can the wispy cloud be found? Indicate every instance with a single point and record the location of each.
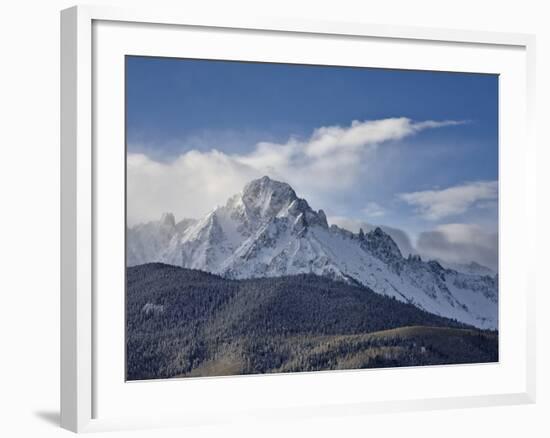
(460, 243)
(373, 209)
(335, 139)
(438, 204)
(330, 160)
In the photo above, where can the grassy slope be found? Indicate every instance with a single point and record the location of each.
(404, 346)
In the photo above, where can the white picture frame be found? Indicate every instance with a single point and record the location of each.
(85, 381)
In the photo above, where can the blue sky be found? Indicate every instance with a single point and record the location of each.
(418, 177)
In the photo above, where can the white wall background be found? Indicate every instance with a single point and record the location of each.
(29, 215)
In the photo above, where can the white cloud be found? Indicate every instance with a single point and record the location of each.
(460, 243)
(190, 186)
(330, 160)
(438, 204)
(373, 209)
(327, 140)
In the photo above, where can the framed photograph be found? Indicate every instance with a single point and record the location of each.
(267, 218)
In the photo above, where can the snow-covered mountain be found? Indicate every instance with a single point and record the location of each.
(473, 268)
(268, 231)
(149, 242)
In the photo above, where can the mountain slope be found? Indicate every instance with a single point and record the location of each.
(154, 240)
(268, 231)
(187, 322)
(471, 268)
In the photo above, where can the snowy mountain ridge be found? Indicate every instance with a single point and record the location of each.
(268, 231)
(472, 268)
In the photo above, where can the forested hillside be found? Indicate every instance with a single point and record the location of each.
(183, 322)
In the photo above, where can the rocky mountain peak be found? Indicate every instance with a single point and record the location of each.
(381, 244)
(266, 197)
(168, 219)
